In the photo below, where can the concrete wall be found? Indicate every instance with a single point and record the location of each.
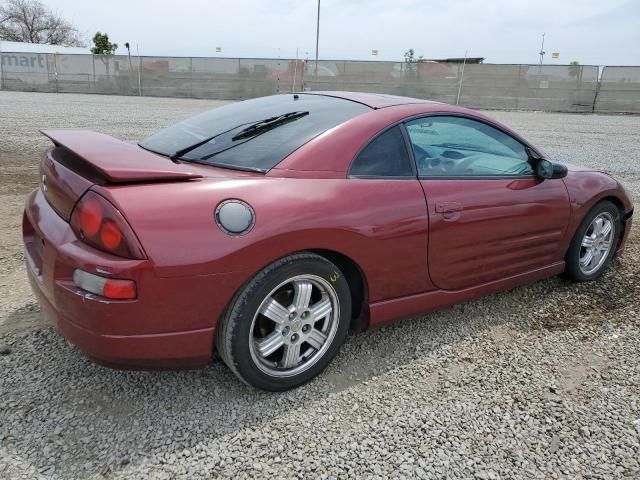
(526, 87)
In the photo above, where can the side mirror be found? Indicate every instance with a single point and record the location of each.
(547, 169)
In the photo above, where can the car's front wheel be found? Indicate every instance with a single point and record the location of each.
(594, 243)
(286, 325)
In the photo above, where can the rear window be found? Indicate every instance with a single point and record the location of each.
(220, 137)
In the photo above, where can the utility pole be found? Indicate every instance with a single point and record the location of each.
(128, 47)
(317, 38)
(542, 52)
(464, 62)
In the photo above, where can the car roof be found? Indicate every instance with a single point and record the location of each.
(332, 152)
(373, 100)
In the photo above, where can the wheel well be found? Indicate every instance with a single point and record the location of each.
(616, 201)
(357, 284)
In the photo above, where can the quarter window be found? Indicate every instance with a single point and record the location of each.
(461, 147)
(385, 156)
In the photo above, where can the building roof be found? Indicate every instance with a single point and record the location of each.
(460, 60)
(23, 47)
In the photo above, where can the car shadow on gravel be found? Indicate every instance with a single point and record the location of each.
(66, 415)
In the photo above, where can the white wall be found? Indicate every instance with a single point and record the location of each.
(39, 48)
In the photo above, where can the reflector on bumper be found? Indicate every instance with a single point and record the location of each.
(113, 288)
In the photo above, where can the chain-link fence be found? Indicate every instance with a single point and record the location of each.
(571, 88)
(619, 90)
(529, 87)
(220, 78)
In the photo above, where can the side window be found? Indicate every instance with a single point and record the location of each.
(385, 156)
(457, 146)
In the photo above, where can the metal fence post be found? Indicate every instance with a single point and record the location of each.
(48, 72)
(344, 77)
(93, 67)
(598, 84)
(295, 72)
(55, 71)
(517, 99)
(139, 74)
(88, 82)
(1, 65)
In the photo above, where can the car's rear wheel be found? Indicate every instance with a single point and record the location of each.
(594, 244)
(286, 325)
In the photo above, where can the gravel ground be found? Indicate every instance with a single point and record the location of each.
(542, 381)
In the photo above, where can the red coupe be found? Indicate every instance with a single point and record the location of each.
(266, 229)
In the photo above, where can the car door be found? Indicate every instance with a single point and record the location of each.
(383, 177)
(490, 217)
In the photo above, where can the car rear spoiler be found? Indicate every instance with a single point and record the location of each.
(118, 161)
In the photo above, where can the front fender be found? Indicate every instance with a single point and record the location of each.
(586, 189)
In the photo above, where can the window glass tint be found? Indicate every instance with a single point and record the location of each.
(385, 156)
(219, 129)
(456, 146)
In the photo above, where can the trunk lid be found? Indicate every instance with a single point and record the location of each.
(82, 158)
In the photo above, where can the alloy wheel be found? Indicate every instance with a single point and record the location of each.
(596, 243)
(294, 325)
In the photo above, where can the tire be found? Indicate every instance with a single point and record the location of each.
(578, 249)
(286, 348)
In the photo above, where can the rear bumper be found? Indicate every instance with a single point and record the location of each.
(176, 350)
(171, 325)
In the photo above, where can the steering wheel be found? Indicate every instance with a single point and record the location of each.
(465, 165)
(426, 161)
(422, 156)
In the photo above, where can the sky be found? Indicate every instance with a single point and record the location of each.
(604, 32)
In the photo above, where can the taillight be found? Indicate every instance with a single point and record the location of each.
(114, 288)
(98, 223)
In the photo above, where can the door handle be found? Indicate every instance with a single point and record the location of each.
(448, 207)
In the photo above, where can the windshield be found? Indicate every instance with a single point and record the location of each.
(254, 134)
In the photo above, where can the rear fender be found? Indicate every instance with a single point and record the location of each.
(359, 219)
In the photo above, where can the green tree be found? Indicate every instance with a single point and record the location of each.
(410, 60)
(102, 45)
(409, 56)
(575, 71)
